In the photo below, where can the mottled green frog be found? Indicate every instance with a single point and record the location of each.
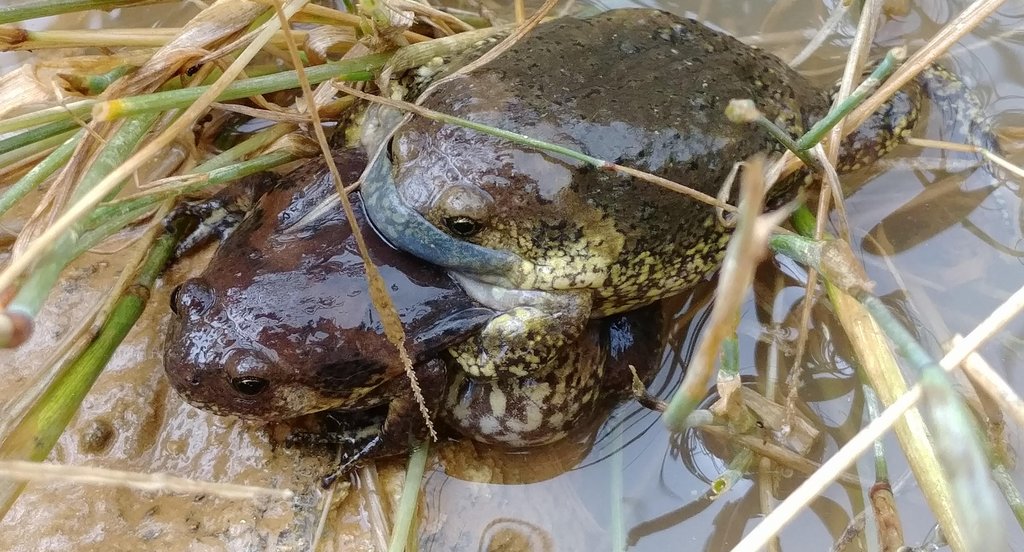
(552, 241)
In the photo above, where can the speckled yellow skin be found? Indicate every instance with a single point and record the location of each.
(530, 411)
(640, 88)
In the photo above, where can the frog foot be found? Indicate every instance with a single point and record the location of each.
(218, 216)
(403, 426)
(524, 341)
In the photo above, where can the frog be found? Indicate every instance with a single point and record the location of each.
(279, 326)
(551, 241)
(257, 333)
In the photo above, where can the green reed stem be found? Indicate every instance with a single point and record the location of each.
(135, 206)
(1004, 480)
(10, 158)
(35, 435)
(42, 132)
(95, 84)
(37, 286)
(406, 512)
(77, 109)
(44, 8)
(874, 408)
(955, 436)
(358, 69)
(892, 60)
(255, 142)
(740, 465)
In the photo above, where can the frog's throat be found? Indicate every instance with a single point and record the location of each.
(408, 230)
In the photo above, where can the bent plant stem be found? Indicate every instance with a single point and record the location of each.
(746, 246)
(965, 498)
(37, 432)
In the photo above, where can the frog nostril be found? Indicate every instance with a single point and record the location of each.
(174, 298)
(249, 386)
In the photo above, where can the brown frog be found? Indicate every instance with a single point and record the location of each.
(280, 325)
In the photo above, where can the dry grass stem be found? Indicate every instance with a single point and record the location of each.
(950, 34)
(984, 377)
(378, 288)
(492, 54)
(776, 453)
(269, 115)
(932, 50)
(848, 454)
(188, 118)
(890, 530)
(434, 13)
(746, 247)
(967, 148)
(74, 342)
(41, 472)
(376, 504)
(821, 35)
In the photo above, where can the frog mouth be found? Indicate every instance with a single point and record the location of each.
(410, 231)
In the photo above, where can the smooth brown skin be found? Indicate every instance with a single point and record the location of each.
(280, 324)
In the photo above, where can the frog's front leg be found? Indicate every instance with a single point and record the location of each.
(528, 336)
(219, 215)
(403, 426)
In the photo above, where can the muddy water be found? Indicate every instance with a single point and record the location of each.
(943, 246)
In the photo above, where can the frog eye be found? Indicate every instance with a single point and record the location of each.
(192, 298)
(464, 210)
(462, 226)
(249, 386)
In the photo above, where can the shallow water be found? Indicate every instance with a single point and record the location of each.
(957, 255)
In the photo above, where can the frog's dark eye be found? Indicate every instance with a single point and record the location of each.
(249, 386)
(463, 209)
(462, 226)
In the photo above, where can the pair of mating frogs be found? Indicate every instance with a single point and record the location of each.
(548, 252)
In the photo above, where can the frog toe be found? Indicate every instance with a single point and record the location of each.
(523, 341)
